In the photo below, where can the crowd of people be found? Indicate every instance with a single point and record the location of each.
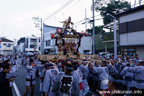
(76, 77)
(8, 65)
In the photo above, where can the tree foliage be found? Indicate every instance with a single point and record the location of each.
(98, 29)
(112, 7)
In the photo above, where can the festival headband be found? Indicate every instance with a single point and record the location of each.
(68, 68)
(85, 61)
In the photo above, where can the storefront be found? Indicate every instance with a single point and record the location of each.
(131, 32)
(128, 51)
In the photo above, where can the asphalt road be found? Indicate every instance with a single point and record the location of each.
(20, 82)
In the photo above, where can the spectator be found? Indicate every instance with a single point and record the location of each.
(4, 83)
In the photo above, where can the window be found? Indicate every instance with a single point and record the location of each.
(26, 43)
(33, 46)
(39, 40)
(48, 42)
(7, 45)
(33, 40)
(86, 51)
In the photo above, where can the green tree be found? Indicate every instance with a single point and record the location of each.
(111, 6)
(98, 29)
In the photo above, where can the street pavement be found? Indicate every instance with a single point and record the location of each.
(20, 83)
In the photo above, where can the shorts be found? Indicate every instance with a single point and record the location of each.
(28, 83)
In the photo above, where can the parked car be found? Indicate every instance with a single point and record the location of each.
(88, 53)
(108, 55)
(29, 53)
(103, 54)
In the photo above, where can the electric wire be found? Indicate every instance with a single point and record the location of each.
(61, 8)
(72, 6)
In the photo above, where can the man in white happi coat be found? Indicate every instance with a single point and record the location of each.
(77, 73)
(30, 78)
(49, 80)
(84, 70)
(66, 84)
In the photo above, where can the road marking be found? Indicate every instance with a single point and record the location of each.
(16, 89)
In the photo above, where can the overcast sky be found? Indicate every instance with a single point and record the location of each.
(16, 15)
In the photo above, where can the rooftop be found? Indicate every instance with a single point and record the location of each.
(6, 40)
(141, 7)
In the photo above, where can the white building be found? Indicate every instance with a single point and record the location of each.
(49, 44)
(28, 44)
(20, 47)
(6, 46)
(86, 45)
(131, 31)
(31, 44)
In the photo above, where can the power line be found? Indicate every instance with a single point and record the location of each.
(95, 16)
(81, 22)
(65, 5)
(99, 19)
(84, 19)
(72, 6)
(50, 2)
(58, 10)
(53, 4)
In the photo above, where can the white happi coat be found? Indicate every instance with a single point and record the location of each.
(49, 81)
(30, 74)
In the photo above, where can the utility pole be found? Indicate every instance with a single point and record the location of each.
(0, 45)
(115, 39)
(93, 27)
(42, 42)
(85, 20)
(75, 27)
(135, 4)
(139, 2)
(38, 23)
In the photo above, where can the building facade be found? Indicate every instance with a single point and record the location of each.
(6, 46)
(20, 47)
(86, 45)
(131, 32)
(32, 44)
(48, 43)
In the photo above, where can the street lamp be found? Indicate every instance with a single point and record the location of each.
(38, 23)
(115, 39)
(93, 7)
